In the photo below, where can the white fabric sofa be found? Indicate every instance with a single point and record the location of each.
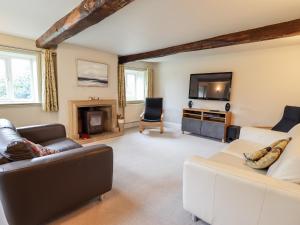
(222, 190)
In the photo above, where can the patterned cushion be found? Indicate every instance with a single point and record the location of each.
(24, 149)
(265, 157)
(39, 150)
(18, 150)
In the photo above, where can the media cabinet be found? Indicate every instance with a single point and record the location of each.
(204, 122)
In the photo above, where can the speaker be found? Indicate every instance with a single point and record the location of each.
(190, 104)
(233, 133)
(227, 107)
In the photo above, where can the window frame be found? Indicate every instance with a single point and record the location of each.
(145, 83)
(7, 54)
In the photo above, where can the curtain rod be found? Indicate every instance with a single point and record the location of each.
(22, 49)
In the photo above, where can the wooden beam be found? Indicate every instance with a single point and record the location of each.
(280, 30)
(88, 13)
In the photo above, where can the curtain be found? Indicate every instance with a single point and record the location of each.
(121, 89)
(50, 98)
(150, 83)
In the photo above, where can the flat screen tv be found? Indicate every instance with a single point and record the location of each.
(210, 86)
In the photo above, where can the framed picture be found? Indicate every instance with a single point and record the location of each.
(92, 74)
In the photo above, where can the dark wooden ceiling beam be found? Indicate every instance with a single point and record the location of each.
(280, 30)
(88, 13)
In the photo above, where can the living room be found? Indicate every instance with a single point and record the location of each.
(106, 131)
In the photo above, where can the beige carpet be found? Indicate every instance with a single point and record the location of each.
(147, 188)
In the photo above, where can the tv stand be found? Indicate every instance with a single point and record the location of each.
(205, 122)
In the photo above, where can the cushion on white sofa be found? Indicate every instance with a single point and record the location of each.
(239, 146)
(236, 162)
(287, 166)
(232, 154)
(262, 136)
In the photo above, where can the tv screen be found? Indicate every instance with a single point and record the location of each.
(210, 86)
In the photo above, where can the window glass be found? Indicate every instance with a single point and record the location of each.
(22, 78)
(18, 78)
(3, 80)
(136, 85)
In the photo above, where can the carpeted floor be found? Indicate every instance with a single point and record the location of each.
(147, 188)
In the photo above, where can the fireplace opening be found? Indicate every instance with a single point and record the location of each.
(93, 120)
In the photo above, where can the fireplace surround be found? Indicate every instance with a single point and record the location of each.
(96, 118)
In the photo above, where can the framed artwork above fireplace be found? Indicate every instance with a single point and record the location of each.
(92, 74)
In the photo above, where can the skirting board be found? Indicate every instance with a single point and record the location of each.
(131, 124)
(176, 126)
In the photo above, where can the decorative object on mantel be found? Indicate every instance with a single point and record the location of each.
(92, 74)
(91, 98)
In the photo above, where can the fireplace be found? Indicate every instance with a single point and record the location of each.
(93, 120)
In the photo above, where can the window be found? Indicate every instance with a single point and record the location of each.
(136, 85)
(18, 78)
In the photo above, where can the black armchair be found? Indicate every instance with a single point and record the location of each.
(153, 114)
(290, 118)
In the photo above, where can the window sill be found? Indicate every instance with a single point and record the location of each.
(135, 102)
(19, 103)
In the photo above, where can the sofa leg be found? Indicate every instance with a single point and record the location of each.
(195, 218)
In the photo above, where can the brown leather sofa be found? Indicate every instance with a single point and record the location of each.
(36, 191)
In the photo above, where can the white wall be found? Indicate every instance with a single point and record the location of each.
(264, 81)
(67, 78)
(67, 84)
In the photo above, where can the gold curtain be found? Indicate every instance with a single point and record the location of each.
(150, 82)
(50, 99)
(121, 89)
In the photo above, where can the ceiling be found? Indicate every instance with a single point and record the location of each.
(146, 25)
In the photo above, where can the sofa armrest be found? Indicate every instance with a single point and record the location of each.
(221, 194)
(34, 191)
(262, 136)
(42, 133)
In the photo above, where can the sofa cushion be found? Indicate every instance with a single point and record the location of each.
(262, 136)
(239, 146)
(61, 144)
(287, 167)
(232, 154)
(266, 161)
(260, 154)
(4, 123)
(232, 160)
(18, 150)
(40, 150)
(9, 137)
(291, 117)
